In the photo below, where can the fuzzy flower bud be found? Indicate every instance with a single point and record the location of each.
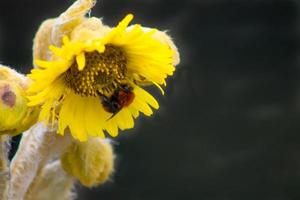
(90, 162)
(15, 116)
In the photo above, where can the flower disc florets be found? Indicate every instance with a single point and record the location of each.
(102, 73)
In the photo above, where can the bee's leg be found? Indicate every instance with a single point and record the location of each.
(114, 114)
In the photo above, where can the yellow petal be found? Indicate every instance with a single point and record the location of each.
(112, 129)
(142, 106)
(146, 97)
(65, 40)
(159, 87)
(124, 23)
(80, 59)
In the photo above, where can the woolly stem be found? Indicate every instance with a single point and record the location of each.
(51, 183)
(4, 166)
(38, 145)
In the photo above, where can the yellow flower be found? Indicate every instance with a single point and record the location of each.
(92, 83)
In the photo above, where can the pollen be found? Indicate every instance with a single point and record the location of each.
(102, 74)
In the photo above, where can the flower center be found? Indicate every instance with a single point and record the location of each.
(102, 74)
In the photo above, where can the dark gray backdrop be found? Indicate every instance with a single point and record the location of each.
(228, 127)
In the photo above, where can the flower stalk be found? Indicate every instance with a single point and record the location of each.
(38, 145)
(52, 183)
(4, 167)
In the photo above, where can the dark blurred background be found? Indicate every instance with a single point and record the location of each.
(228, 127)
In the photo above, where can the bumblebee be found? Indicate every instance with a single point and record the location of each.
(122, 97)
